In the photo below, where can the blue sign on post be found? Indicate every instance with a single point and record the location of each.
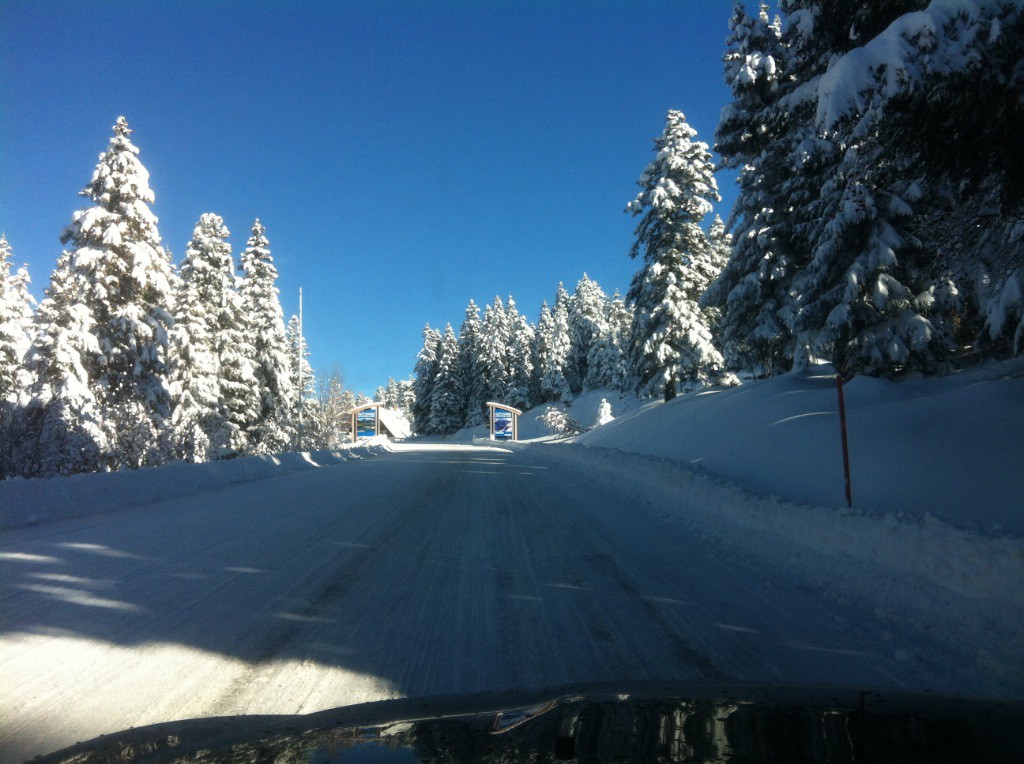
(503, 429)
(366, 423)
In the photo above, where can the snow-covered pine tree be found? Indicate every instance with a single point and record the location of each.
(406, 398)
(272, 432)
(199, 421)
(520, 391)
(588, 312)
(100, 354)
(606, 361)
(671, 341)
(604, 413)
(721, 244)
(391, 393)
(239, 389)
(470, 372)
(950, 111)
(494, 351)
(304, 402)
(447, 400)
(621, 322)
(563, 306)
(861, 299)
(552, 349)
(755, 138)
(335, 404)
(16, 327)
(423, 385)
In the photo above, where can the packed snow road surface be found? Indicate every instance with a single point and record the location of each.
(430, 570)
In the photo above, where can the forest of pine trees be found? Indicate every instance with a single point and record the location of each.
(880, 219)
(879, 224)
(579, 345)
(128, 361)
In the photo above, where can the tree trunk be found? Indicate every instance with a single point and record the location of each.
(670, 389)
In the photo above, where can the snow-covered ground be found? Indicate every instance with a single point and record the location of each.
(950, 447)
(28, 502)
(443, 567)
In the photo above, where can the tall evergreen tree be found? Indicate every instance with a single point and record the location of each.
(860, 299)
(671, 341)
(520, 390)
(199, 420)
(16, 326)
(100, 354)
(755, 137)
(423, 386)
(261, 306)
(607, 363)
(406, 398)
(391, 394)
(873, 156)
(334, 410)
(494, 351)
(587, 315)
(470, 372)
(447, 400)
(239, 388)
(563, 307)
(553, 348)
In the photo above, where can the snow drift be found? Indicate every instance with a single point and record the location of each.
(27, 502)
(949, 447)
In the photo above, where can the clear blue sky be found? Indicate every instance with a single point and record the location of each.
(404, 156)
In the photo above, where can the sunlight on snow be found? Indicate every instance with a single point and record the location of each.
(78, 597)
(99, 549)
(206, 684)
(26, 557)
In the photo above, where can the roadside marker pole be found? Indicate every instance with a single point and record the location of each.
(842, 430)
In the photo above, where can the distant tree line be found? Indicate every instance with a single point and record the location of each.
(577, 344)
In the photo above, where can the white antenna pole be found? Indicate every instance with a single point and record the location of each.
(302, 353)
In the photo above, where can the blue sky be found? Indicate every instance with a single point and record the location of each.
(404, 156)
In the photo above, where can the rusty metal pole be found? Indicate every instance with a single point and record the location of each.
(842, 430)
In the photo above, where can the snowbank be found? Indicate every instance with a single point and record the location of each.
(27, 502)
(583, 408)
(949, 447)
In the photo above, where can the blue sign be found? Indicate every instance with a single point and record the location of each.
(366, 423)
(503, 429)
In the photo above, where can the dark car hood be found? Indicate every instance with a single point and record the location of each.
(693, 722)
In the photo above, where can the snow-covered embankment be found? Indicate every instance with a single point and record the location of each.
(27, 502)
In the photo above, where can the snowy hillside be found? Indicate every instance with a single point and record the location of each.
(950, 447)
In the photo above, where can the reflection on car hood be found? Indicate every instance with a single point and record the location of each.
(692, 722)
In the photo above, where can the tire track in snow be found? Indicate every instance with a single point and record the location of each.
(594, 550)
(333, 581)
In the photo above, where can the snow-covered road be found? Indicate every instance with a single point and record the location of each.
(432, 569)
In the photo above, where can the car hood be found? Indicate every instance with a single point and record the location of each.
(695, 722)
